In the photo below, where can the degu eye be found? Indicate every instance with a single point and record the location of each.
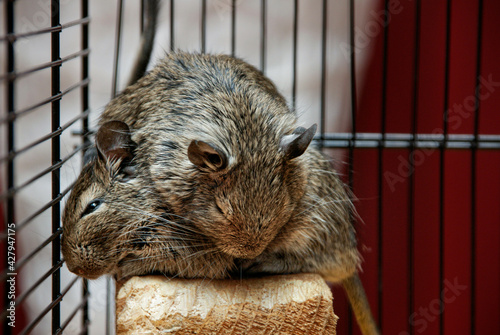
(92, 206)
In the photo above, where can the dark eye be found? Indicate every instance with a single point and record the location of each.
(91, 207)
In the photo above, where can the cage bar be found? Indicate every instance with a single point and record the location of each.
(322, 108)
(411, 186)
(56, 163)
(51, 169)
(81, 306)
(203, 26)
(354, 108)
(116, 61)
(172, 25)
(381, 164)
(263, 35)
(25, 111)
(379, 142)
(474, 143)
(233, 28)
(84, 306)
(294, 55)
(51, 64)
(50, 307)
(10, 204)
(42, 139)
(21, 224)
(442, 164)
(16, 36)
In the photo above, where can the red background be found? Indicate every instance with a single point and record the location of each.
(408, 255)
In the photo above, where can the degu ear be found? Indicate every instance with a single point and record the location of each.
(89, 155)
(114, 142)
(206, 156)
(295, 144)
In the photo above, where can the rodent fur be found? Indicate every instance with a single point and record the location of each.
(267, 203)
(225, 102)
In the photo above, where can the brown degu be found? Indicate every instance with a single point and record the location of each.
(199, 170)
(203, 155)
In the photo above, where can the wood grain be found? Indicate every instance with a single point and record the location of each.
(289, 304)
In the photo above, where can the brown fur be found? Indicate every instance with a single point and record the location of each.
(262, 212)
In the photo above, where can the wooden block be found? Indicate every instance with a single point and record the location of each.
(288, 304)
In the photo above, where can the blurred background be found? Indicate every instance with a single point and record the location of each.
(410, 119)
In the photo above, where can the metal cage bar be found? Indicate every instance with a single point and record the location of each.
(263, 34)
(172, 25)
(411, 181)
(84, 306)
(380, 142)
(119, 15)
(233, 27)
(442, 162)
(8, 196)
(474, 144)
(380, 152)
(322, 108)
(203, 29)
(10, 217)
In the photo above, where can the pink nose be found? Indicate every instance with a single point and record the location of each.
(75, 269)
(79, 271)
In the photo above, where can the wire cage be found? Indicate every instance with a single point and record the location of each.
(405, 94)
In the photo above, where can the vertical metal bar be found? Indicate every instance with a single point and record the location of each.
(381, 166)
(86, 140)
(294, 69)
(203, 25)
(354, 107)
(442, 165)
(474, 167)
(85, 72)
(263, 35)
(411, 181)
(114, 91)
(9, 21)
(56, 158)
(119, 14)
(142, 16)
(233, 28)
(172, 25)
(109, 306)
(350, 167)
(322, 126)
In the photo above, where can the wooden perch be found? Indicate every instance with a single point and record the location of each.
(291, 304)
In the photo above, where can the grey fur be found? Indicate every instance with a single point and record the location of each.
(263, 211)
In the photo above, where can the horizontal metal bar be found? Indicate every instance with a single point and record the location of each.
(399, 140)
(25, 259)
(23, 296)
(407, 137)
(406, 141)
(14, 154)
(22, 112)
(13, 37)
(33, 287)
(72, 315)
(79, 132)
(20, 225)
(24, 223)
(33, 324)
(15, 75)
(10, 193)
